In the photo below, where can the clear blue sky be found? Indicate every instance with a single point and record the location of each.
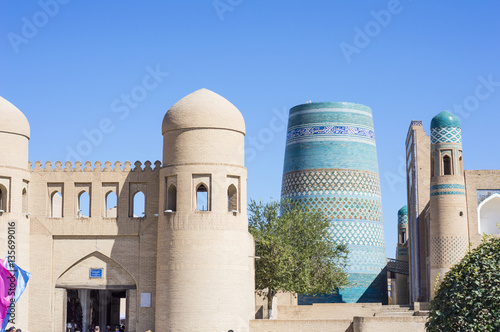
(66, 68)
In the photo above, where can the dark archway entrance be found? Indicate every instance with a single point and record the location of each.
(87, 308)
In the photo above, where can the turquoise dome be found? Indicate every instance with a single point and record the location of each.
(445, 119)
(403, 211)
(403, 216)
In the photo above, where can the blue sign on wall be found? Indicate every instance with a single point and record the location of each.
(95, 273)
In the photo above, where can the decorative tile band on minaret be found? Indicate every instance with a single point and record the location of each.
(448, 230)
(400, 294)
(331, 164)
(402, 248)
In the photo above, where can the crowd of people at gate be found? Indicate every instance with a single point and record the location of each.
(75, 328)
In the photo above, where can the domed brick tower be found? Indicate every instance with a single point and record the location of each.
(205, 267)
(448, 233)
(14, 191)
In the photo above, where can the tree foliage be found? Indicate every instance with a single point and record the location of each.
(468, 299)
(296, 253)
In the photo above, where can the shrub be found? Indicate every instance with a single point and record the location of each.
(468, 299)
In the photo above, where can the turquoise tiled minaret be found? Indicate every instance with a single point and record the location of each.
(401, 291)
(331, 164)
(402, 250)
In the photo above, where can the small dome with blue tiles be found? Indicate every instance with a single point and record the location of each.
(445, 119)
(403, 211)
(403, 215)
(445, 128)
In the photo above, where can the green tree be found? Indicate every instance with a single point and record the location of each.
(295, 252)
(468, 299)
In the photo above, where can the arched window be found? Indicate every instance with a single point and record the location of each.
(83, 205)
(25, 201)
(446, 165)
(489, 215)
(460, 162)
(202, 198)
(111, 207)
(402, 237)
(172, 198)
(139, 205)
(56, 205)
(232, 198)
(4, 204)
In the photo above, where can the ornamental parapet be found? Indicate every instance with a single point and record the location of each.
(78, 166)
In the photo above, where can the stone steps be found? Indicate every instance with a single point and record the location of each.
(394, 314)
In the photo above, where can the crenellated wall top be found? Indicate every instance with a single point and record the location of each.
(78, 166)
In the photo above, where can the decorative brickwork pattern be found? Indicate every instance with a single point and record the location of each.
(358, 233)
(448, 250)
(87, 167)
(364, 260)
(330, 182)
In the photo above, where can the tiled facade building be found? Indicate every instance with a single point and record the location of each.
(331, 164)
(448, 207)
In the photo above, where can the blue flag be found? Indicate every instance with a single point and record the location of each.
(22, 278)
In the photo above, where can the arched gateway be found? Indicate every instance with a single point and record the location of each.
(95, 290)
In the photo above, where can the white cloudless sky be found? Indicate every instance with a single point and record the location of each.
(70, 65)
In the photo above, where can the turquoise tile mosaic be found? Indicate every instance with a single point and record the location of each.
(338, 116)
(483, 194)
(439, 193)
(445, 119)
(327, 154)
(446, 135)
(365, 288)
(330, 132)
(331, 164)
(447, 186)
(446, 128)
(403, 216)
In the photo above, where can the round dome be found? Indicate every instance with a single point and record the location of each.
(203, 109)
(403, 216)
(12, 120)
(403, 211)
(445, 119)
